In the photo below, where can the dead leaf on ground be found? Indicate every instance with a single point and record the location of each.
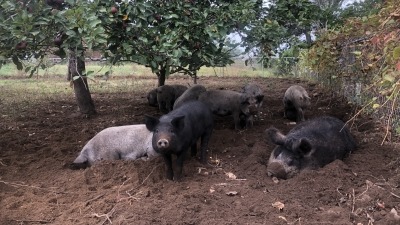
(278, 205)
(231, 193)
(230, 175)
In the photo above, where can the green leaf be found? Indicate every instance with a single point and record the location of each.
(374, 106)
(16, 61)
(396, 53)
(389, 78)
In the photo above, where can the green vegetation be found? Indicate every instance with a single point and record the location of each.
(131, 69)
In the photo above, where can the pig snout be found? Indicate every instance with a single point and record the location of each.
(253, 110)
(162, 143)
(276, 169)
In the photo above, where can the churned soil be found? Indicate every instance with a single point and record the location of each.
(38, 187)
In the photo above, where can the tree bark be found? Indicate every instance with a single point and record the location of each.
(195, 77)
(76, 67)
(161, 76)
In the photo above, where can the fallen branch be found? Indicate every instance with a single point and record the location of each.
(93, 199)
(33, 221)
(35, 187)
(107, 215)
(394, 195)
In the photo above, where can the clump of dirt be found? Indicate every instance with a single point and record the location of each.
(37, 187)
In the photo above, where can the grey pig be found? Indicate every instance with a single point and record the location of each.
(190, 94)
(226, 102)
(295, 101)
(167, 94)
(309, 145)
(129, 142)
(256, 100)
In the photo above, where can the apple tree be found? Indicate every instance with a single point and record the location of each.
(173, 36)
(30, 30)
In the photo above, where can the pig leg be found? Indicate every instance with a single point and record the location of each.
(193, 152)
(179, 165)
(168, 162)
(300, 114)
(236, 119)
(250, 121)
(205, 138)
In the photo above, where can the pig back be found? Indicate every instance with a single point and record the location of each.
(222, 102)
(198, 119)
(329, 137)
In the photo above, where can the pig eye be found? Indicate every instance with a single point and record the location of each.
(290, 162)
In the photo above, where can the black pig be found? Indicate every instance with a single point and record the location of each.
(167, 94)
(310, 145)
(177, 131)
(226, 102)
(152, 97)
(190, 94)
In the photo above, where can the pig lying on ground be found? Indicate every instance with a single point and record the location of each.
(152, 97)
(177, 131)
(295, 101)
(256, 100)
(190, 94)
(226, 102)
(124, 142)
(167, 94)
(310, 145)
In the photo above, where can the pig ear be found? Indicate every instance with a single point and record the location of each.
(275, 136)
(178, 122)
(151, 122)
(302, 146)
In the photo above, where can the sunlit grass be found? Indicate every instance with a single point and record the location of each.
(18, 91)
(238, 69)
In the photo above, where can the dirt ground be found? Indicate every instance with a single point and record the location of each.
(37, 187)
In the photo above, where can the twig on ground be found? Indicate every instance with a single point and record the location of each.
(363, 191)
(93, 199)
(107, 215)
(1, 163)
(33, 221)
(35, 187)
(119, 188)
(354, 202)
(148, 176)
(397, 196)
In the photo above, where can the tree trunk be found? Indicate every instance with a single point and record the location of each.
(161, 76)
(308, 37)
(195, 77)
(76, 66)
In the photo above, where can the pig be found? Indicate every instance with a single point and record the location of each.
(167, 94)
(128, 142)
(256, 100)
(178, 130)
(226, 102)
(295, 101)
(309, 145)
(152, 97)
(255, 92)
(190, 94)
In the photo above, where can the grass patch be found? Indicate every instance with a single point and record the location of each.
(238, 69)
(18, 91)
